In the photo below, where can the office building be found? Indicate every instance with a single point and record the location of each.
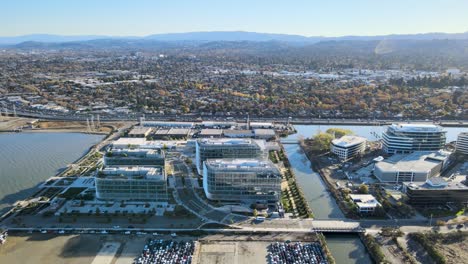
(462, 143)
(134, 157)
(407, 138)
(417, 166)
(131, 183)
(366, 203)
(247, 180)
(224, 148)
(436, 192)
(348, 147)
(142, 143)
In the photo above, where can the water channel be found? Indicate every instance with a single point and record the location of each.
(345, 248)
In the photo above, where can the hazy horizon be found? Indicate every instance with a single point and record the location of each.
(227, 31)
(297, 17)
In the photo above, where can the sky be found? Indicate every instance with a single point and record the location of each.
(301, 17)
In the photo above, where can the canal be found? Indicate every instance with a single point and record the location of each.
(345, 248)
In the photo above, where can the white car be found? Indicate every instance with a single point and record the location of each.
(173, 235)
(61, 232)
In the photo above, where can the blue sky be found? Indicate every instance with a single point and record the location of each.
(303, 17)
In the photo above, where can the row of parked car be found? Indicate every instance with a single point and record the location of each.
(296, 253)
(166, 252)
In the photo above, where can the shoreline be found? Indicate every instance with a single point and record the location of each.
(55, 130)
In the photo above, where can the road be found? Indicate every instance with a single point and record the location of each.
(187, 196)
(192, 117)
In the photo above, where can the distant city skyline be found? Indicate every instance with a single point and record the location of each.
(299, 17)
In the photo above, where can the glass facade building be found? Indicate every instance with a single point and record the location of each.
(227, 149)
(248, 180)
(406, 138)
(132, 183)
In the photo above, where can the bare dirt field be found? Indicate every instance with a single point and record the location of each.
(11, 123)
(71, 125)
(235, 252)
(454, 253)
(45, 248)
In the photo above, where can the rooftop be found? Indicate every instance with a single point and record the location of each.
(420, 161)
(237, 131)
(149, 173)
(211, 131)
(142, 143)
(134, 153)
(242, 164)
(227, 141)
(416, 128)
(364, 200)
(348, 141)
(262, 131)
(139, 130)
(436, 183)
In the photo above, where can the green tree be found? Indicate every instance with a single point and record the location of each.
(255, 212)
(364, 189)
(339, 132)
(322, 142)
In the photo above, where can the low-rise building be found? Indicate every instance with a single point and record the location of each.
(246, 180)
(179, 133)
(131, 183)
(462, 143)
(417, 166)
(140, 132)
(238, 133)
(366, 203)
(262, 133)
(348, 147)
(436, 192)
(134, 157)
(160, 133)
(211, 133)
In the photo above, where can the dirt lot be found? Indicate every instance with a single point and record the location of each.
(45, 248)
(235, 252)
(239, 249)
(10, 123)
(454, 253)
(72, 125)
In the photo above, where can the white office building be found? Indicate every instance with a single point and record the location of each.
(348, 147)
(224, 148)
(135, 157)
(366, 203)
(462, 143)
(246, 180)
(406, 138)
(417, 166)
(131, 183)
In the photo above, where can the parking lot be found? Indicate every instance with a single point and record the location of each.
(166, 251)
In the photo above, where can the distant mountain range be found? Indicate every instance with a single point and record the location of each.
(223, 36)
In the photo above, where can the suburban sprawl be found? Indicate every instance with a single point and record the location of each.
(200, 159)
